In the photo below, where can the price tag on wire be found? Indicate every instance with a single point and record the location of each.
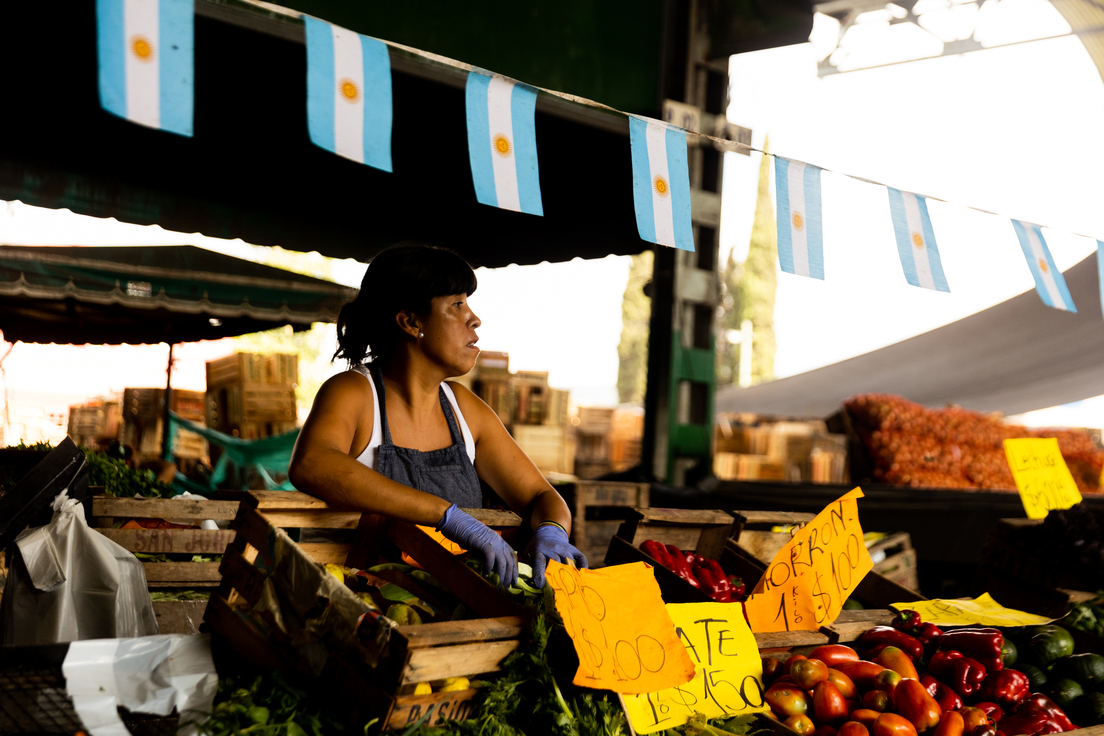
(1042, 476)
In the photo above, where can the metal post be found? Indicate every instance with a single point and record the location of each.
(166, 449)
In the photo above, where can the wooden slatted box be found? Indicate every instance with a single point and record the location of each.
(428, 652)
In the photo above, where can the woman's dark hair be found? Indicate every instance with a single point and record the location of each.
(405, 277)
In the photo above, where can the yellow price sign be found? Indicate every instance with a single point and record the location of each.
(982, 610)
(1041, 475)
(809, 579)
(621, 630)
(729, 679)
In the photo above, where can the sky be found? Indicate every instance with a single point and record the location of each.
(1013, 130)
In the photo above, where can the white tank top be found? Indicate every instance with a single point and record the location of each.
(371, 452)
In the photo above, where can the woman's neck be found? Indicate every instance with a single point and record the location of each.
(413, 383)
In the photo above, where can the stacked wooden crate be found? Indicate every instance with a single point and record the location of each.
(752, 447)
(143, 417)
(598, 509)
(592, 441)
(252, 396)
(96, 422)
(426, 653)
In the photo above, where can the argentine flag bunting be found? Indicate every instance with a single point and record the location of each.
(502, 143)
(146, 52)
(800, 240)
(348, 94)
(916, 240)
(1048, 279)
(1100, 269)
(661, 183)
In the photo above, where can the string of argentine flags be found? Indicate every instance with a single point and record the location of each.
(146, 60)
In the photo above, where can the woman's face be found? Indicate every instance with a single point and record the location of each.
(450, 334)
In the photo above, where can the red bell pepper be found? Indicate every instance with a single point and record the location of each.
(713, 580)
(1007, 687)
(657, 552)
(679, 566)
(879, 635)
(739, 589)
(964, 674)
(929, 635)
(907, 621)
(994, 711)
(1037, 702)
(984, 645)
(947, 698)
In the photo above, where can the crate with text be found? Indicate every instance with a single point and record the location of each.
(680, 532)
(279, 608)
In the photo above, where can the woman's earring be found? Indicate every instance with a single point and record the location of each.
(421, 334)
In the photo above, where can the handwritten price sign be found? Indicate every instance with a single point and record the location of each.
(729, 678)
(1041, 476)
(983, 611)
(809, 579)
(620, 628)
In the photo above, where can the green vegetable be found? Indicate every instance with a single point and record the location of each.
(1087, 669)
(1049, 644)
(1065, 691)
(119, 479)
(1088, 710)
(183, 595)
(1035, 675)
(394, 566)
(270, 706)
(852, 605)
(1009, 653)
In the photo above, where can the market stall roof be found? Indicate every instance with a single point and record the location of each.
(251, 172)
(151, 294)
(1017, 356)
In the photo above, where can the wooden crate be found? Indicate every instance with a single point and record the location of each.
(277, 369)
(547, 445)
(425, 653)
(899, 564)
(598, 508)
(704, 532)
(108, 510)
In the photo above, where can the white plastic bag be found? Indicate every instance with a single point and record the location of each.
(68, 582)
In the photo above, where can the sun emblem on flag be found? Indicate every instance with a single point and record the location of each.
(502, 145)
(1043, 266)
(142, 48)
(798, 221)
(918, 240)
(349, 90)
(661, 187)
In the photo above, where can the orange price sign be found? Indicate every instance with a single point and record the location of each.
(621, 630)
(809, 579)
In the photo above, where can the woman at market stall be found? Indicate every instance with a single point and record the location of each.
(393, 436)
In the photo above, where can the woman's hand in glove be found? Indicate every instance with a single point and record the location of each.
(550, 543)
(479, 539)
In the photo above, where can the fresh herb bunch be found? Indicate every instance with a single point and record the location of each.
(1087, 616)
(119, 479)
(269, 706)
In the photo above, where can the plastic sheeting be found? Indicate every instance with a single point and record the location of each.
(1017, 356)
(267, 457)
(69, 582)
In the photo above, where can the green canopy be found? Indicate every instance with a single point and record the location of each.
(151, 294)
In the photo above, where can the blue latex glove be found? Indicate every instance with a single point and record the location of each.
(550, 543)
(477, 538)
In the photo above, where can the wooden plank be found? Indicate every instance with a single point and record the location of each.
(163, 508)
(171, 541)
(495, 518)
(457, 632)
(850, 625)
(610, 493)
(252, 528)
(238, 574)
(685, 516)
(264, 500)
(790, 639)
(460, 660)
(465, 583)
(179, 617)
(181, 572)
(296, 519)
(780, 518)
(326, 552)
(458, 705)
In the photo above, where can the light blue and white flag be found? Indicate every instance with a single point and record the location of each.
(146, 56)
(1049, 282)
(1100, 269)
(800, 239)
(916, 240)
(661, 183)
(502, 143)
(348, 94)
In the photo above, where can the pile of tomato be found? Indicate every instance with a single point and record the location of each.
(908, 679)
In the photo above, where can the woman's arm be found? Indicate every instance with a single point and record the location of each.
(506, 468)
(324, 465)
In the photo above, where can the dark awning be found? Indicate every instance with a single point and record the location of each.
(151, 294)
(251, 172)
(1017, 356)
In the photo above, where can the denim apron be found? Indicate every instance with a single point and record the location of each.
(447, 473)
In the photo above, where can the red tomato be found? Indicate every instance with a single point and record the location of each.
(861, 672)
(973, 718)
(877, 700)
(788, 700)
(833, 654)
(891, 724)
(950, 724)
(865, 716)
(802, 724)
(825, 730)
(853, 728)
(915, 703)
(893, 658)
(808, 673)
(790, 662)
(887, 681)
(828, 704)
(843, 682)
(772, 668)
